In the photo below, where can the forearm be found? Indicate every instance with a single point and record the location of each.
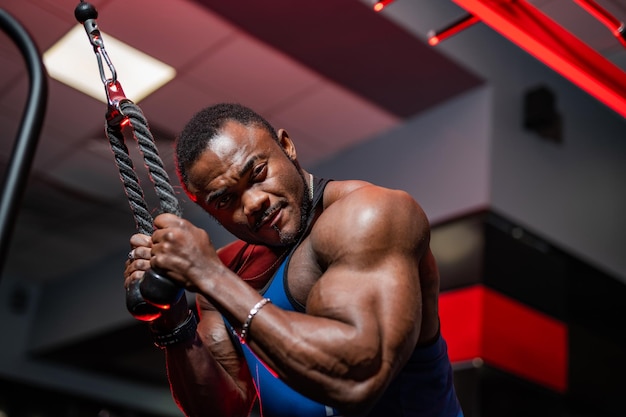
(206, 375)
(310, 354)
(201, 386)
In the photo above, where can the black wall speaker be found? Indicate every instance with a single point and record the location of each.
(541, 115)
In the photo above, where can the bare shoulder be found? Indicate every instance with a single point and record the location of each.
(336, 190)
(364, 216)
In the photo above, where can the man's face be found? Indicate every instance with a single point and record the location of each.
(249, 184)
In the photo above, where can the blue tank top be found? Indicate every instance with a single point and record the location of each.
(277, 399)
(424, 387)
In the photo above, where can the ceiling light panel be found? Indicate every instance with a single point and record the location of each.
(72, 61)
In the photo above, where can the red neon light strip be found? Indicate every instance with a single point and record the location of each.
(481, 323)
(435, 37)
(615, 26)
(381, 5)
(601, 14)
(542, 37)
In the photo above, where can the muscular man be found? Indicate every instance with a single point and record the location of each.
(326, 306)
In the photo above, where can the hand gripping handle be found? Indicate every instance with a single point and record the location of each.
(147, 297)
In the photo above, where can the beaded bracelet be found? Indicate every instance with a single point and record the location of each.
(253, 312)
(183, 332)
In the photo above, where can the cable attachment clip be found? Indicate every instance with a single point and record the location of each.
(86, 14)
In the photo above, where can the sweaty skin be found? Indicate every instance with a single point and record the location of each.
(364, 272)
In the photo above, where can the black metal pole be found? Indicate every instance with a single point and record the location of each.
(28, 135)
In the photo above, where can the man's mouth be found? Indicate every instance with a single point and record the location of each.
(270, 216)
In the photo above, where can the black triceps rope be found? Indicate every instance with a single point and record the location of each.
(155, 290)
(146, 297)
(168, 201)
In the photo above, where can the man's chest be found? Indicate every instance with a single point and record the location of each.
(303, 272)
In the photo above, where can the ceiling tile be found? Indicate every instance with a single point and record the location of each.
(347, 118)
(248, 71)
(172, 106)
(175, 41)
(46, 22)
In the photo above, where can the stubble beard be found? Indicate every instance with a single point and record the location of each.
(290, 238)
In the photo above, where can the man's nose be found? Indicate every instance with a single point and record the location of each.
(253, 201)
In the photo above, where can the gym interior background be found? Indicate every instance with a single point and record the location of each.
(519, 167)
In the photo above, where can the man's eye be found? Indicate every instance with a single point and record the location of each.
(259, 172)
(223, 201)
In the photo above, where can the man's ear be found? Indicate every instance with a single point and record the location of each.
(285, 142)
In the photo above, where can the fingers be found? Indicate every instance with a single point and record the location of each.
(140, 249)
(166, 220)
(140, 240)
(140, 252)
(171, 228)
(138, 259)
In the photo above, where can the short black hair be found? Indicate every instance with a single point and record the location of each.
(207, 124)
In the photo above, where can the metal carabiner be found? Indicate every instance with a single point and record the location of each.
(86, 14)
(101, 55)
